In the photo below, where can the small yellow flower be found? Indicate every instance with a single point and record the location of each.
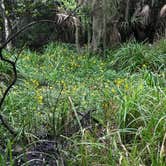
(40, 99)
(35, 82)
(144, 65)
(126, 86)
(39, 113)
(62, 82)
(112, 90)
(119, 82)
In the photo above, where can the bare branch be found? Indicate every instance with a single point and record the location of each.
(13, 64)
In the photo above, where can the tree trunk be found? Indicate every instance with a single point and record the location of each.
(97, 24)
(104, 25)
(6, 24)
(77, 30)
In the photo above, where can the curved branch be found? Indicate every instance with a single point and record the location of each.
(13, 64)
(23, 29)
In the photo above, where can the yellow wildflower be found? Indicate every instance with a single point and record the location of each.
(35, 82)
(40, 99)
(144, 65)
(112, 90)
(119, 82)
(126, 86)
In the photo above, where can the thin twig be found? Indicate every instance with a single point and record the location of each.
(13, 64)
(163, 147)
(122, 145)
(76, 114)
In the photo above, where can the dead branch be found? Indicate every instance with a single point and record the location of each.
(13, 64)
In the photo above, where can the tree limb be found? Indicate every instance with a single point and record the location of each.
(13, 64)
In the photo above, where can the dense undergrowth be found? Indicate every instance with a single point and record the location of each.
(122, 95)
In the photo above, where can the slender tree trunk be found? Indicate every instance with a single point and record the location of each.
(6, 23)
(77, 26)
(104, 23)
(127, 11)
(97, 24)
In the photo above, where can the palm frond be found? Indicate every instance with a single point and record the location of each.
(63, 19)
(163, 11)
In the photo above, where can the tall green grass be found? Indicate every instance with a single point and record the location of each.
(133, 56)
(126, 90)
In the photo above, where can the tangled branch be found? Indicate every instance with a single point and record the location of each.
(13, 64)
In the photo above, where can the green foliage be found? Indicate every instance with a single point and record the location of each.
(133, 56)
(21, 13)
(69, 4)
(129, 103)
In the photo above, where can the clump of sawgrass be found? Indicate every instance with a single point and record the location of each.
(133, 56)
